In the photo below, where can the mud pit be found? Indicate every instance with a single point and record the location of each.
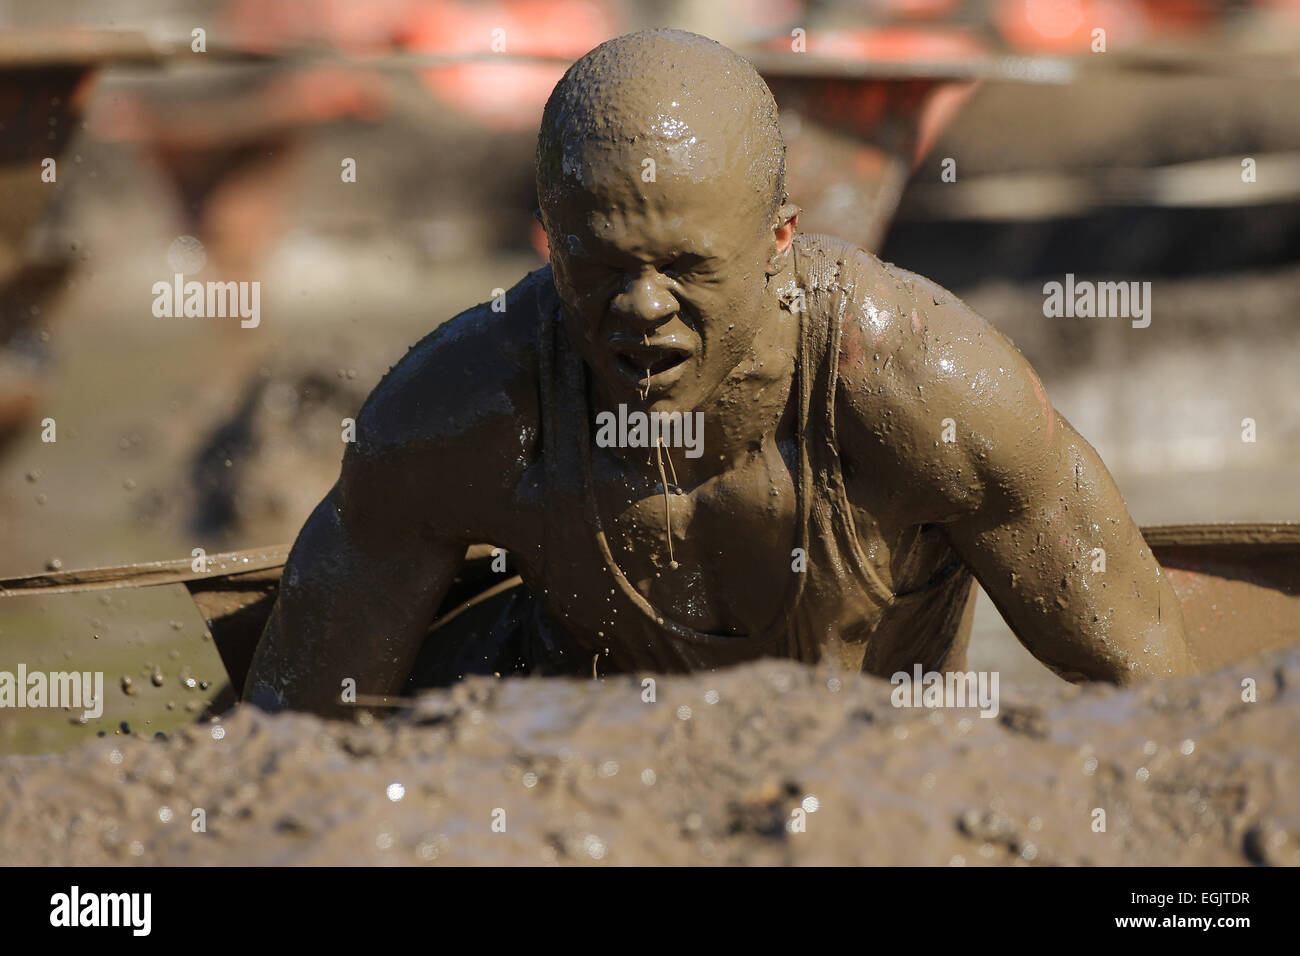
(587, 772)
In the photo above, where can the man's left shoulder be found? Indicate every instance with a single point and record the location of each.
(904, 330)
(927, 384)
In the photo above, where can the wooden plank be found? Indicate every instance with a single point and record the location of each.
(147, 574)
(1238, 584)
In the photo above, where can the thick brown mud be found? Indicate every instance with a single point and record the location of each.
(1185, 770)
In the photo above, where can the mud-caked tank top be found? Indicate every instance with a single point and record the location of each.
(838, 608)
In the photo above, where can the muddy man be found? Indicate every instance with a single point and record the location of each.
(869, 443)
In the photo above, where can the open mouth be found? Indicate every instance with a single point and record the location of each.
(646, 363)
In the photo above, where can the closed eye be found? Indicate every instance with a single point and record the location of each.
(684, 265)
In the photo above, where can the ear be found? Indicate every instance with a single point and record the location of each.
(784, 229)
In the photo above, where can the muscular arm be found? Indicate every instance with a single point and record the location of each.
(1055, 548)
(355, 601)
(958, 418)
(441, 443)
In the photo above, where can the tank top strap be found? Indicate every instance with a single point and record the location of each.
(830, 276)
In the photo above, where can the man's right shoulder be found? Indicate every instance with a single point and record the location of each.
(462, 405)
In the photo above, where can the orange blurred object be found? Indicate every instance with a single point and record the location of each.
(508, 95)
(895, 44)
(1067, 26)
(353, 27)
(858, 123)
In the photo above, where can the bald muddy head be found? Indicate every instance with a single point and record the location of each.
(661, 180)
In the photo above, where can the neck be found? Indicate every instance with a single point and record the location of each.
(745, 412)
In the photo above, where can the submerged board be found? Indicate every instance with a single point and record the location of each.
(1238, 584)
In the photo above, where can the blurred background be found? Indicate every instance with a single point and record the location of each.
(992, 145)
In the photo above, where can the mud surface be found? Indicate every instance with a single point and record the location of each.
(586, 772)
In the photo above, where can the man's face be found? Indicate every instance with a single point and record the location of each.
(664, 283)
